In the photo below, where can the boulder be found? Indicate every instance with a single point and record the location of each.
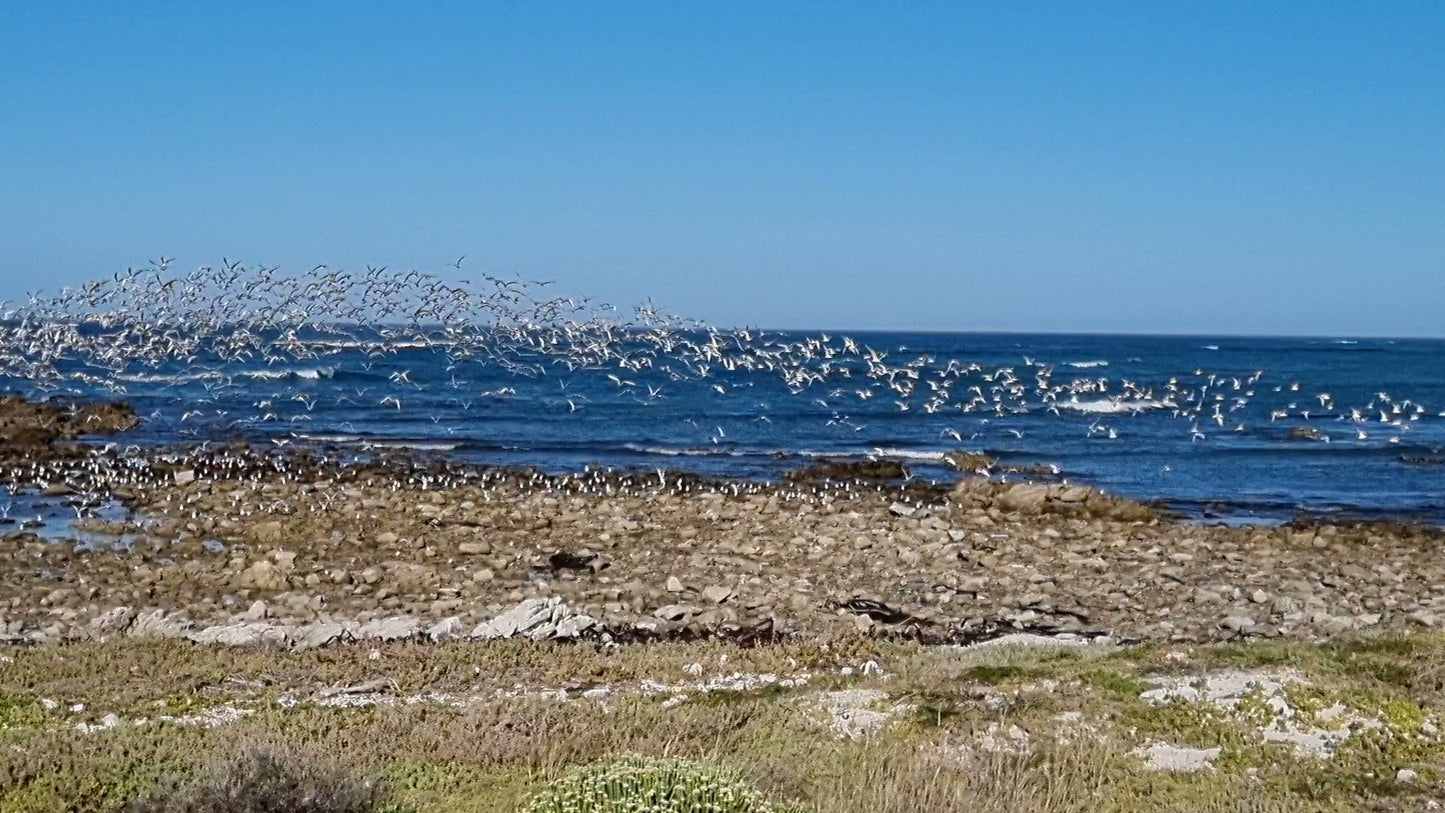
(391, 628)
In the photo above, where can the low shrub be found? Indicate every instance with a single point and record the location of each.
(260, 779)
(634, 784)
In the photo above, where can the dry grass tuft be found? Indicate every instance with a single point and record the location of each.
(267, 779)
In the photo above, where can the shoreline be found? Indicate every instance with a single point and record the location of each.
(292, 547)
(286, 548)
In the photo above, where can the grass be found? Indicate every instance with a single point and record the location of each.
(489, 747)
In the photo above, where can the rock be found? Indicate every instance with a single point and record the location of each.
(574, 625)
(184, 476)
(1238, 623)
(387, 538)
(1425, 618)
(1259, 597)
(562, 560)
(675, 612)
(1406, 776)
(247, 633)
(371, 575)
(717, 594)
(674, 584)
(1305, 433)
(474, 548)
(313, 636)
(519, 620)
(391, 628)
(445, 629)
(899, 509)
(1162, 756)
(112, 622)
(257, 612)
(268, 531)
(1025, 498)
(263, 575)
(157, 624)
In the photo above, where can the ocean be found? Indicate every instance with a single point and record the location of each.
(1226, 429)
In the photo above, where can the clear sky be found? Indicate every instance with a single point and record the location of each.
(1193, 167)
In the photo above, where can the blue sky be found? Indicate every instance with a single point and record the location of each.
(1142, 167)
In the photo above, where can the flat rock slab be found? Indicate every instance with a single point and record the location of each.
(1163, 756)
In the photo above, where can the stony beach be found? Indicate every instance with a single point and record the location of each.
(355, 548)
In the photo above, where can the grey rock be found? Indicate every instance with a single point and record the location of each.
(445, 629)
(1237, 623)
(717, 594)
(391, 628)
(674, 584)
(675, 612)
(519, 620)
(1425, 618)
(157, 624)
(543, 631)
(575, 625)
(113, 621)
(247, 633)
(314, 636)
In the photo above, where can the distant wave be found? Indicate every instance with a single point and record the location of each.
(908, 454)
(306, 373)
(419, 445)
(172, 378)
(1109, 406)
(1087, 365)
(686, 451)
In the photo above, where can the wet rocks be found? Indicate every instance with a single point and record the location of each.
(843, 470)
(30, 424)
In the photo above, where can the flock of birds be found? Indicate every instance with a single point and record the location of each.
(239, 350)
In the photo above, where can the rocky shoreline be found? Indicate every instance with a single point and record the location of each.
(238, 546)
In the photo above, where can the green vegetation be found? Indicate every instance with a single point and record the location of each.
(405, 727)
(637, 784)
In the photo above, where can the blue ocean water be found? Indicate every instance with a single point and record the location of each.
(1202, 424)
